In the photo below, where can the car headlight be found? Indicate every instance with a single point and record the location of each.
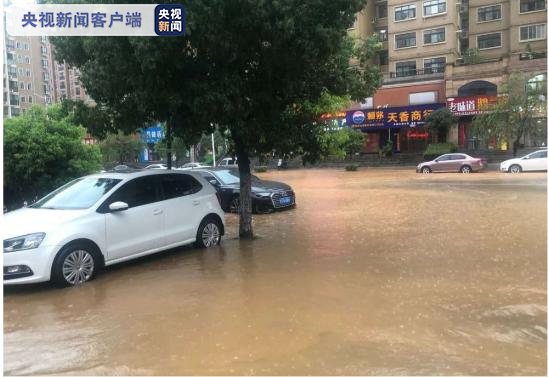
(29, 241)
(262, 194)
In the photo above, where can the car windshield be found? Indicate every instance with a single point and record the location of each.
(81, 193)
(232, 176)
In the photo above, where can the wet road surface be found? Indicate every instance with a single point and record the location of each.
(376, 272)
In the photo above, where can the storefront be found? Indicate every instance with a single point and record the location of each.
(464, 108)
(404, 126)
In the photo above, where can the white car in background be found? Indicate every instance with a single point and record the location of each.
(193, 165)
(157, 166)
(535, 161)
(228, 161)
(107, 218)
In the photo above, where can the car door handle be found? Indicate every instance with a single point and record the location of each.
(195, 202)
(157, 212)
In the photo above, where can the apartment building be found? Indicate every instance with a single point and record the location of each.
(27, 73)
(67, 84)
(438, 52)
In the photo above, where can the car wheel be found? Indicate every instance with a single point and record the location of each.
(209, 233)
(515, 169)
(426, 170)
(75, 265)
(234, 205)
(466, 169)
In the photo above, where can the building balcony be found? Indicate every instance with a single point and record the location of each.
(415, 75)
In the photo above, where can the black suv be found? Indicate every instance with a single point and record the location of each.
(267, 196)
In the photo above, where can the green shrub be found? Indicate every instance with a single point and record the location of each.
(260, 169)
(352, 167)
(386, 150)
(435, 150)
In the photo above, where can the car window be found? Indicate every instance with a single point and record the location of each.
(177, 185)
(458, 157)
(444, 158)
(228, 176)
(79, 194)
(137, 192)
(539, 154)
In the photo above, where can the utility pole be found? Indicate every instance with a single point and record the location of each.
(213, 147)
(168, 142)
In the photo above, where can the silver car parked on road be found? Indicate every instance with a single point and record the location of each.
(452, 162)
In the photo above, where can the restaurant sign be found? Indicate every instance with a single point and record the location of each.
(470, 105)
(391, 117)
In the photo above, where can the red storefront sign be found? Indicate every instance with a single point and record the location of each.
(470, 105)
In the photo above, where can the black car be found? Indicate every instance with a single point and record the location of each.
(267, 196)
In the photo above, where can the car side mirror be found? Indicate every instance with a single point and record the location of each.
(118, 206)
(526, 157)
(214, 182)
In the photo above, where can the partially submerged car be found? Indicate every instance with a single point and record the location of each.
(267, 196)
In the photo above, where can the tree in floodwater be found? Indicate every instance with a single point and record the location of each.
(256, 68)
(516, 112)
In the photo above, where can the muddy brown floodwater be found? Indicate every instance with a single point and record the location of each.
(376, 272)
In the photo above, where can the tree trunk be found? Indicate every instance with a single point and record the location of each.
(246, 226)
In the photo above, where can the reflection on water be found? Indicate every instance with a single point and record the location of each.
(374, 273)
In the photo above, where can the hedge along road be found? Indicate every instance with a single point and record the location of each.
(376, 272)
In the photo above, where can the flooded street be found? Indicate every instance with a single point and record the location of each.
(376, 272)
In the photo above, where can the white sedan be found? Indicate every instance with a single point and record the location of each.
(535, 161)
(107, 218)
(157, 166)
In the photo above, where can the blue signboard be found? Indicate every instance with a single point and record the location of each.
(391, 117)
(152, 134)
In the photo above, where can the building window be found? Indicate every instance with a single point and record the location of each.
(27, 59)
(382, 34)
(489, 40)
(434, 36)
(406, 69)
(20, 58)
(21, 85)
(45, 76)
(44, 63)
(434, 7)
(406, 40)
(434, 65)
(383, 57)
(490, 13)
(23, 99)
(61, 75)
(28, 73)
(26, 46)
(531, 5)
(422, 98)
(30, 99)
(12, 71)
(20, 70)
(62, 85)
(44, 49)
(29, 86)
(405, 12)
(18, 44)
(532, 32)
(381, 10)
(77, 91)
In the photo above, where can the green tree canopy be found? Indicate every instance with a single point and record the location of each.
(41, 153)
(515, 113)
(440, 120)
(119, 148)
